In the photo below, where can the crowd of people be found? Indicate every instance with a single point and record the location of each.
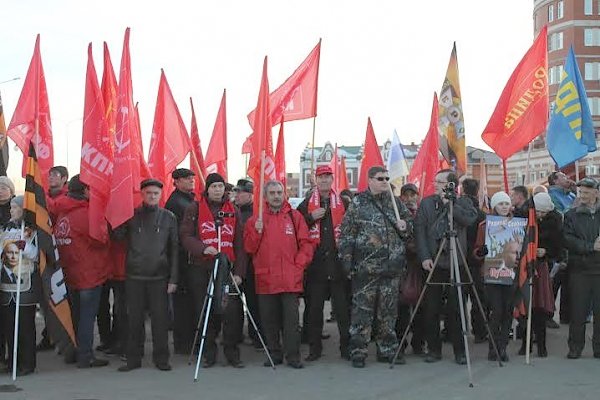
(358, 251)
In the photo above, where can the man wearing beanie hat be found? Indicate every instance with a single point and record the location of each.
(151, 267)
(199, 236)
(581, 229)
(183, 315)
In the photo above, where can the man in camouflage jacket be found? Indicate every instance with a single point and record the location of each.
(372, 248)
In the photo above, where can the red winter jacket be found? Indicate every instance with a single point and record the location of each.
(84, 260)
(281, 253)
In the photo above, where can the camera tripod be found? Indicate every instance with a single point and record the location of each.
(451, 239)
(217, 276)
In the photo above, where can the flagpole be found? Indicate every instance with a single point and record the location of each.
(576, 170)
(197, 165)
(527, 179)
(396, 213)
(17, 309)
(505, 175)
(529, 310)
(246, 164)
(312, 157)
(262, 183)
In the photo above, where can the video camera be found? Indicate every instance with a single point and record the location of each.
(450, 191)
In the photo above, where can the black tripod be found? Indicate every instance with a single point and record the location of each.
(450, 239)
(220, 273)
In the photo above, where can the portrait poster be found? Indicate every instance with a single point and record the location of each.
(504, 239)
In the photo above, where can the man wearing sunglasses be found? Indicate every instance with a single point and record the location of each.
(372, 249)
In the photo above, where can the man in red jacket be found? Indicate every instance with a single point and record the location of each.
(281, 249)
(85, 265)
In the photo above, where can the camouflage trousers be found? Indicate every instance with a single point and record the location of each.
(374, 301)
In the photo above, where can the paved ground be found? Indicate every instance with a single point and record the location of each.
(329, 378)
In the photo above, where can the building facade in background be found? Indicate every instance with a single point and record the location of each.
(570, 23)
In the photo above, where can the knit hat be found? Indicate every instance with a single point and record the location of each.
(5, 180)
(18, 200)
(543, 202)
(499, 197)
(214, 178)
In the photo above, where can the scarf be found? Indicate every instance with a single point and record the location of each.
(337, 214)
(207, 229)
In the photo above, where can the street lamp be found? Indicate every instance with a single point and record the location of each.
(11, 80)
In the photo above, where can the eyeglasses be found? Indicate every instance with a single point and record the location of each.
(382, 178)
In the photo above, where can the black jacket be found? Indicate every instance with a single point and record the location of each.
(581, 228)
(178, 202)
(152, 244)
(550, 236)
(431, 224)
(5, 213)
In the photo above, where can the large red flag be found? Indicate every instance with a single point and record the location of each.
(522, 110)
(280, 157)
(343, 179)
(196, 158)
(109, 92)
(31, 120)
(216, 154)
(96, 152)
(422, 173)
(120, 203)
(170, 142)
(247, 145)
(297, 97)
(142, 171)
(371, 157)
(262, 140)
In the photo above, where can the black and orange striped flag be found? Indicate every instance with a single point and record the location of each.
(527, 265)
(35, 215)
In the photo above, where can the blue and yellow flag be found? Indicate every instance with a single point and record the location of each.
(396, 162)
(570, 133)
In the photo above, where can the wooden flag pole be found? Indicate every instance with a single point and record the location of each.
(396, 213)
(197, 165)
(505, 175)
(260, 188)
(312, 157)
(527, 180)
(17, 307)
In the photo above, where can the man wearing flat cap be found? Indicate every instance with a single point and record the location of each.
(323, 211)
(581, 235)
(183, 307)
(151, 268)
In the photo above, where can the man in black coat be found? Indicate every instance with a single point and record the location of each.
(183, 311)
(581, 228)
(323, 211)
(431, 225)
(151, 267)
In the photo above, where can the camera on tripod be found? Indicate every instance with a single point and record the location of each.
(450, 191)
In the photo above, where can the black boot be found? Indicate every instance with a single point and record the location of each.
(541, 343)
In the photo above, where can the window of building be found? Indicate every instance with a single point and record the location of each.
(591, 37)
(550, 13)
(350, 177)
(592, 71)
(587, 7)
(555, 74)
(594, 103)
(556, 41)
(560, 11)
(591, 170)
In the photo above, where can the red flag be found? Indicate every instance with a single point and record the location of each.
(262, 140)
(109, 92)
(196, 158)
(422, 173)
(247, 146)
(31, 120)
(297, 97)
(371, 157)
(120, 203)
(216, 154)
(280, 156)
(142, 170)
(522, 110)
(170, 142)
(343, 180)
(96, 153)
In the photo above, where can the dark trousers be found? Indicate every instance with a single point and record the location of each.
(252, 302)
(26, 360)
(104, 319)
(561, 281)
(418, 327)
(584, 290)
(84, 305)
(120, 327)
(316, 292)
(183, 314)
(433, 305)
(279, 312)
(500, 301)
(151, 295)
(232, 319)
(3, 351)
(477, 321)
